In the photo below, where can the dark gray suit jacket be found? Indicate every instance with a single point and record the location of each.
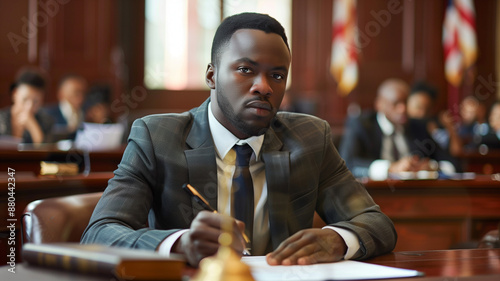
(304, 173)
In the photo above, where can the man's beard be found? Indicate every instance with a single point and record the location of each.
(236, 119)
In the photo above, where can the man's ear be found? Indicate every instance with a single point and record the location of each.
(210, 76)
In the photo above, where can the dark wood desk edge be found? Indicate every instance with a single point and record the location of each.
(482, 182)
(392, 255)
(190, 271)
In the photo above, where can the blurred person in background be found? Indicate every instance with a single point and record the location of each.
(24, 120)
(492, 138)
(97, 105)
(68, 113)
(386, 142)
(473, 122)
(421, 104)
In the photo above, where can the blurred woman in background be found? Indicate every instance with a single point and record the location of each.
(24, 120)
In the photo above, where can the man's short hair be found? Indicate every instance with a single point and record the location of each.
(425, 88)
(70, 76)
(233, 23)
(31, 78)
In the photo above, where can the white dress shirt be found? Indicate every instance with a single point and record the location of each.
(73, 118)
(224, 141)
(378, 169)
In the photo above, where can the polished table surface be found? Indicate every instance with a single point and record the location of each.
(28, 158)
(449, 263)
(476, 264)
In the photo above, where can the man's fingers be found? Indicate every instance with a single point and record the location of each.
(288, 248)
(308, 247)
(285, 243)
(202, 239)
(240, 225)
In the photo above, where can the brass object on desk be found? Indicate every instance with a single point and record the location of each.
(226, 265)
(54, 168)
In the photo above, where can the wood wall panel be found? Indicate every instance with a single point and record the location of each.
(12, 55)
(104, 41)
(81, 39)
(78, 36)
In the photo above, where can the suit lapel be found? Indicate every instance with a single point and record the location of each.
(201, 163)
(277, 165)
(377, 141)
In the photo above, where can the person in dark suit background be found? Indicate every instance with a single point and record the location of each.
(420, 105)
(24, 119)
(491, 138)
(294, 167)
(386, 141)
(68, 113)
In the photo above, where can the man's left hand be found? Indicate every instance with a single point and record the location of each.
(309, 246)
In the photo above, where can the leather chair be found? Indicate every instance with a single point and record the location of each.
(58, 219)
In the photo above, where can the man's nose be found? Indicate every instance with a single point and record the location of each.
(401, 108)
(261, 85)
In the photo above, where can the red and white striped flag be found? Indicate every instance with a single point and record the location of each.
(459, 39)
(344, 58)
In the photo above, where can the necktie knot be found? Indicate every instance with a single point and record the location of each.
(243, 154)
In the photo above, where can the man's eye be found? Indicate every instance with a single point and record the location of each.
(244, 70)
(278, 76)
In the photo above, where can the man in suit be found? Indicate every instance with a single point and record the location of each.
(67, 113)
(295, 168)
(386, 142)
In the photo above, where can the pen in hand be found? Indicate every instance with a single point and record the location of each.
(204, 203)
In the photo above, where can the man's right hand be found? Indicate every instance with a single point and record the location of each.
(412, 164)
(202, 239)
(402, 165)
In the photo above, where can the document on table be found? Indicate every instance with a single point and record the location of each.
(99, 137)
(342, 270)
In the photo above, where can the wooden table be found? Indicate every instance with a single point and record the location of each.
(480, 264)
(487, 162)
(29, 187)
(439, 214)
(28, 159)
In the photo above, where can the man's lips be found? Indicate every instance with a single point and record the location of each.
(260, 105)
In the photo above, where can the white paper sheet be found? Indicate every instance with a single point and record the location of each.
(342, 270)
(99, 137)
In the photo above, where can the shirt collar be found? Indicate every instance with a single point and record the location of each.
(385, 125)
(224, 140)
(66, 109)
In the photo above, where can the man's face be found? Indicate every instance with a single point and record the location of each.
(248, 82)
(27, 98)
(419, 105)
(468, 110)
(73, 91)
(495, 118)
(393, 104)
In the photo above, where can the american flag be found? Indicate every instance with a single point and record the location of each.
(344, 58)
(459, 39)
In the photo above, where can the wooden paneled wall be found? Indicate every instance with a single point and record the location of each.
(104, 41)
(60, 37)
